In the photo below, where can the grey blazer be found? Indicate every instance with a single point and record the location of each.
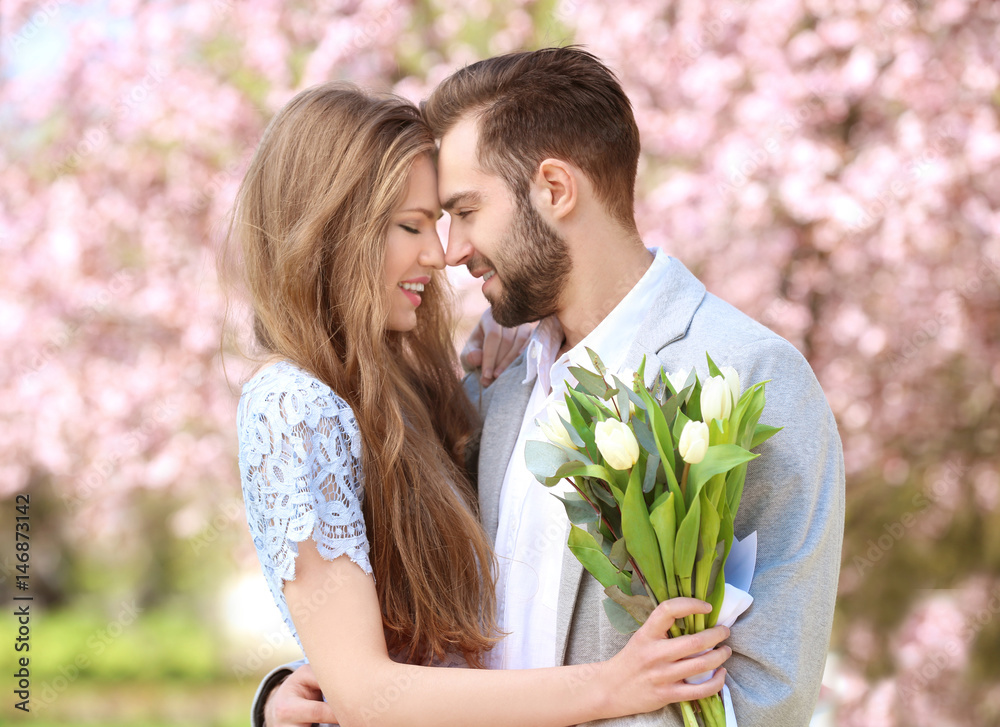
(793, 498)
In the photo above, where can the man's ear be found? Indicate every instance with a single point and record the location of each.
(555, 188)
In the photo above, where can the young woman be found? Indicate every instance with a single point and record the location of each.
(353, 439)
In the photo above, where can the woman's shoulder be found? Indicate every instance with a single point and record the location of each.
(296, 396)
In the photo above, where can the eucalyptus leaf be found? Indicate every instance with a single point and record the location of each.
(599, 366)
(573, 432)
(633, 397)
(636, 584)
(620, 618)
(619, 554)
(652, 464)
(580, 512)
(638, 607)
(592, 383)
(543, 459)
(600, 489)
(643, 434)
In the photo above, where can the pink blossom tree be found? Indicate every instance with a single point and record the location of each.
(832, 169)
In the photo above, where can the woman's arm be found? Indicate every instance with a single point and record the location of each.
(336, 614)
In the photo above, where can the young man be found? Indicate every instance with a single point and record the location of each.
(537, 168)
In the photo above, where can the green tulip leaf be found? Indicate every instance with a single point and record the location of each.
(718, 459)
(640, 538)
(686, 544)
(762, 433)
(707, 540)
(579, 469)
(663, 518)
(713, 370)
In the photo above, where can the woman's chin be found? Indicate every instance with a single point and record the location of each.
(403, 323)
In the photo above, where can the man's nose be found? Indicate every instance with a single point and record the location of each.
(459, 248)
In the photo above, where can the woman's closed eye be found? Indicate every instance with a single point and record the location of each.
(412, 230)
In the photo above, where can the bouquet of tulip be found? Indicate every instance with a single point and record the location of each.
(657, 475)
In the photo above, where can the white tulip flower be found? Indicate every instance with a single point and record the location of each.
(678, 379)
(693, 442)
(553, 429)
(716, 399)
(733, 379)
(616, 443)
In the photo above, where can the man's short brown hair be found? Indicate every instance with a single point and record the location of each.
(555, 102)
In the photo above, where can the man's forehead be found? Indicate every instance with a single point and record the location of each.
(458, 168)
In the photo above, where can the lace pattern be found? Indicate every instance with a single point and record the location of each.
(300, 465)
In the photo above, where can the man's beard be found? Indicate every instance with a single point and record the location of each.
(535, 265)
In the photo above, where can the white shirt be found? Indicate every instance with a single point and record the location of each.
(533, 526)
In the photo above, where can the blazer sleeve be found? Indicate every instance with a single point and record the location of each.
(794, 499)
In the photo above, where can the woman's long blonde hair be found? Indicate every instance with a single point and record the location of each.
(310, 226)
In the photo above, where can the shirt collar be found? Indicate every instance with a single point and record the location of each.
(610, 339)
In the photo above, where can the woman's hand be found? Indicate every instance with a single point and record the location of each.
(649, 672)
(492, 347)
(298, 702)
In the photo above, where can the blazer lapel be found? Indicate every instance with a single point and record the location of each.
(670, 315)
(569, 584)
(501, 425)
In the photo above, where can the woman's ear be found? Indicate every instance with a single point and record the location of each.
(554, 190)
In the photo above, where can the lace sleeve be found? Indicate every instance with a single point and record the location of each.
(300, 462)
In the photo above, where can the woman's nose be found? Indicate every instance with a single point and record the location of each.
(432, 254)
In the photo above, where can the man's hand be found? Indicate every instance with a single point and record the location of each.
(492, 347)
(298, 702)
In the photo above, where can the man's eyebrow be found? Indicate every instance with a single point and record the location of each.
(460, 198)
(425, 212)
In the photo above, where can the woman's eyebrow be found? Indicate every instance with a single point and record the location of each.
(426, 212)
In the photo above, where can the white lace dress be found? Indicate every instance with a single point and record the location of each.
(300, 464)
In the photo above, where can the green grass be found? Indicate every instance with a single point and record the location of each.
(120, 668)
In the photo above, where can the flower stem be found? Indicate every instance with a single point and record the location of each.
(690, 720)
(684, 479)
(712, 711)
